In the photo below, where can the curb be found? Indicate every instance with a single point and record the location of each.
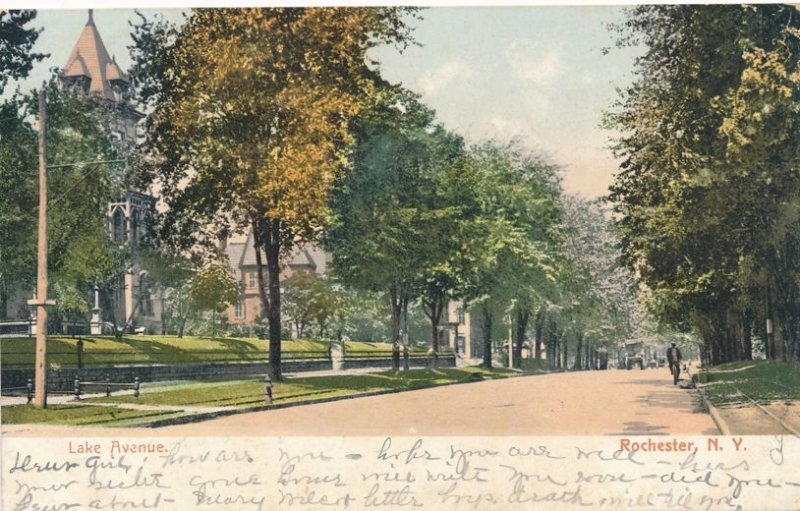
(189, 419)
(722, 426)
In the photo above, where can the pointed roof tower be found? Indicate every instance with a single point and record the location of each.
(90, 58)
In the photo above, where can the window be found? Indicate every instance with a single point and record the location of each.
(118, 220)
(460, 315)
(238, 311)
(253, 279)
(135, 221)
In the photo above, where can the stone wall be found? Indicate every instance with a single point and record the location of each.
(63, 379)
(425, 361)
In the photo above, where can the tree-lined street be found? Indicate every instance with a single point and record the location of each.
(370, 220)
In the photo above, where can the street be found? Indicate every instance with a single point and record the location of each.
(579, 403)
(614, 402)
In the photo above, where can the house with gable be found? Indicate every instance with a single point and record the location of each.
(242, 261)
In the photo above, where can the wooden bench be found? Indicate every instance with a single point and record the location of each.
(108, 385)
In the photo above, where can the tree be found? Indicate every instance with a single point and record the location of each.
(18, 202)
(706, 191)
(310, 298)
(597, 291)
(397, 211)
(171, 274)
(17, 156)
(511, 239)
(80, 255)
(213, 289)
(16, 43)
(264, 154)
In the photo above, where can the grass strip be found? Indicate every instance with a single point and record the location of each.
(764, 381)
(73, 415)
(250, 393)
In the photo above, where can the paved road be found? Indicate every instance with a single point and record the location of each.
(583, 403)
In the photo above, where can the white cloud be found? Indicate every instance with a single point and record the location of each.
(533, 63)
(431, 83)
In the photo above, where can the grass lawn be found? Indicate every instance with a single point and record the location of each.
(150, 349)
(533, 366)
(74, 415)
(763, 381)
(250, 393)
(18, 353)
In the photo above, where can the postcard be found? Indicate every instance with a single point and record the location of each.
(400, 257)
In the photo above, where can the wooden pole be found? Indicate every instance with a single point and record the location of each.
(40, 396)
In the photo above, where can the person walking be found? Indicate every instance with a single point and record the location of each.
(674, 357)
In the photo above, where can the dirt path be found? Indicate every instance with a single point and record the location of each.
(583, 403)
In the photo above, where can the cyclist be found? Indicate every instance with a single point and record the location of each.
(674, 359)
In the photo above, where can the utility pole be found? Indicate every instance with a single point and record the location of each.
(41, 302)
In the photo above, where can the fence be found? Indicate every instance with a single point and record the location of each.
(23, 328)
(62, 380)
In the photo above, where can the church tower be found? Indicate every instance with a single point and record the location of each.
(94, 73)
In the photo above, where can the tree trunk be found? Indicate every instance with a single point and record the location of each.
(181, 326)
(406, 340)
(578, 353)
(434, 311)
(557, 353)
(267, 238)
(552, 345)
(487, 336)
(394, 303)
(3, 303)
(537, 336)
(262, 287)
(273, 252)
(522, 326)
(163, 301)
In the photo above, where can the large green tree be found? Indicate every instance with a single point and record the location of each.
(17, 157)
(386, 215)
(16, 45)
(707, 193)
(249, 120)
(512, 238)
(79, 254)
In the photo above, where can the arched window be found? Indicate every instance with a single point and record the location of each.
(118, 226)
(135, 223)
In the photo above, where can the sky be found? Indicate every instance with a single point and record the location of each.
(537, 74)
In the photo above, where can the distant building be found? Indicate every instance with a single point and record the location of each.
(459, 335)
(242, 261)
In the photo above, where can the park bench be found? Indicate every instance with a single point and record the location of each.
(106, 385)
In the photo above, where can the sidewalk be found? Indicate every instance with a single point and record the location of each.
(773, 419)
(69, 399)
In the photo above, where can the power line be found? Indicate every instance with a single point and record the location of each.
(65, 165)
(96, 164)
